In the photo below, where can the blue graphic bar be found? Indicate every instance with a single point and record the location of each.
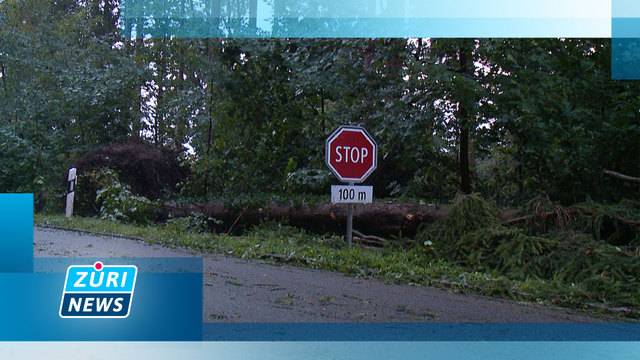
(616, 19)
(16, 233)
(365, 18)
(386, 28)
(625, 42)
(421, 332)
(328, 350)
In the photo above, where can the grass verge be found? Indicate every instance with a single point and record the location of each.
(415, 266)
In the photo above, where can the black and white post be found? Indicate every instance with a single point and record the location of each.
(72, 180)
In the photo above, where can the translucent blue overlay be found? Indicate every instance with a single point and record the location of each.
(364, 18)
(16, 233)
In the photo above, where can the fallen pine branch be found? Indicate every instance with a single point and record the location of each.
(569, 211)
(564, 212)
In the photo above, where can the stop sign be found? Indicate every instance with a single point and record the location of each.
(351, 154)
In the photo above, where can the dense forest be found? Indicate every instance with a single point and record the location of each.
(508, 118)
(515, 161)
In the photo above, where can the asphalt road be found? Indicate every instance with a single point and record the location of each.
(237, 290)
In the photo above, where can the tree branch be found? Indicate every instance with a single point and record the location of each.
(620, 176)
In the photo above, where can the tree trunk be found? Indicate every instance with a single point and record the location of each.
(210, 89)
(465, 174)
(253, 16)
(464, 123)
(322, 113)
(159, 113)
(138, 54)
(375, 219)
(181, 121)
(4, 80)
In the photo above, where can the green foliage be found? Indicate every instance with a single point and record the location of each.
(195, 223)
(25, 168)
(467, 214)
(495, 175)
(507, 251)
(18, 171)
(118, 203)
(614, 223)
(309, 181)
(61, 87)
(248, 116)
(474, 238)
(561, 117)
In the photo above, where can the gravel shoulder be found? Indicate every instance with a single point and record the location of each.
(237, 290)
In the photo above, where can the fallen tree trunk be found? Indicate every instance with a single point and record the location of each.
(379, 218)
(388, 220)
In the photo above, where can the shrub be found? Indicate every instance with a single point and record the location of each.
(118, 203)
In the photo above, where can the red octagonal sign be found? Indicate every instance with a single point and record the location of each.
(351, 154)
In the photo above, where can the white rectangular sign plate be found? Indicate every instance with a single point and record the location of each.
(344, 194)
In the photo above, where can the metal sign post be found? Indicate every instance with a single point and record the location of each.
(352, 155)
(72, 180)
(350, 223)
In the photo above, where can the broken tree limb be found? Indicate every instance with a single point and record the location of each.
(622, 177)
(369, 237)
(236, 221)
(369, 240)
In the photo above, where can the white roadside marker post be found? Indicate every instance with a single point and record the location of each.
(71, 190)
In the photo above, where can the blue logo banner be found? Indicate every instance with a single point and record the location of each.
(82, 299)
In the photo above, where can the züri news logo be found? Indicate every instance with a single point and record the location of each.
(98, 291)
